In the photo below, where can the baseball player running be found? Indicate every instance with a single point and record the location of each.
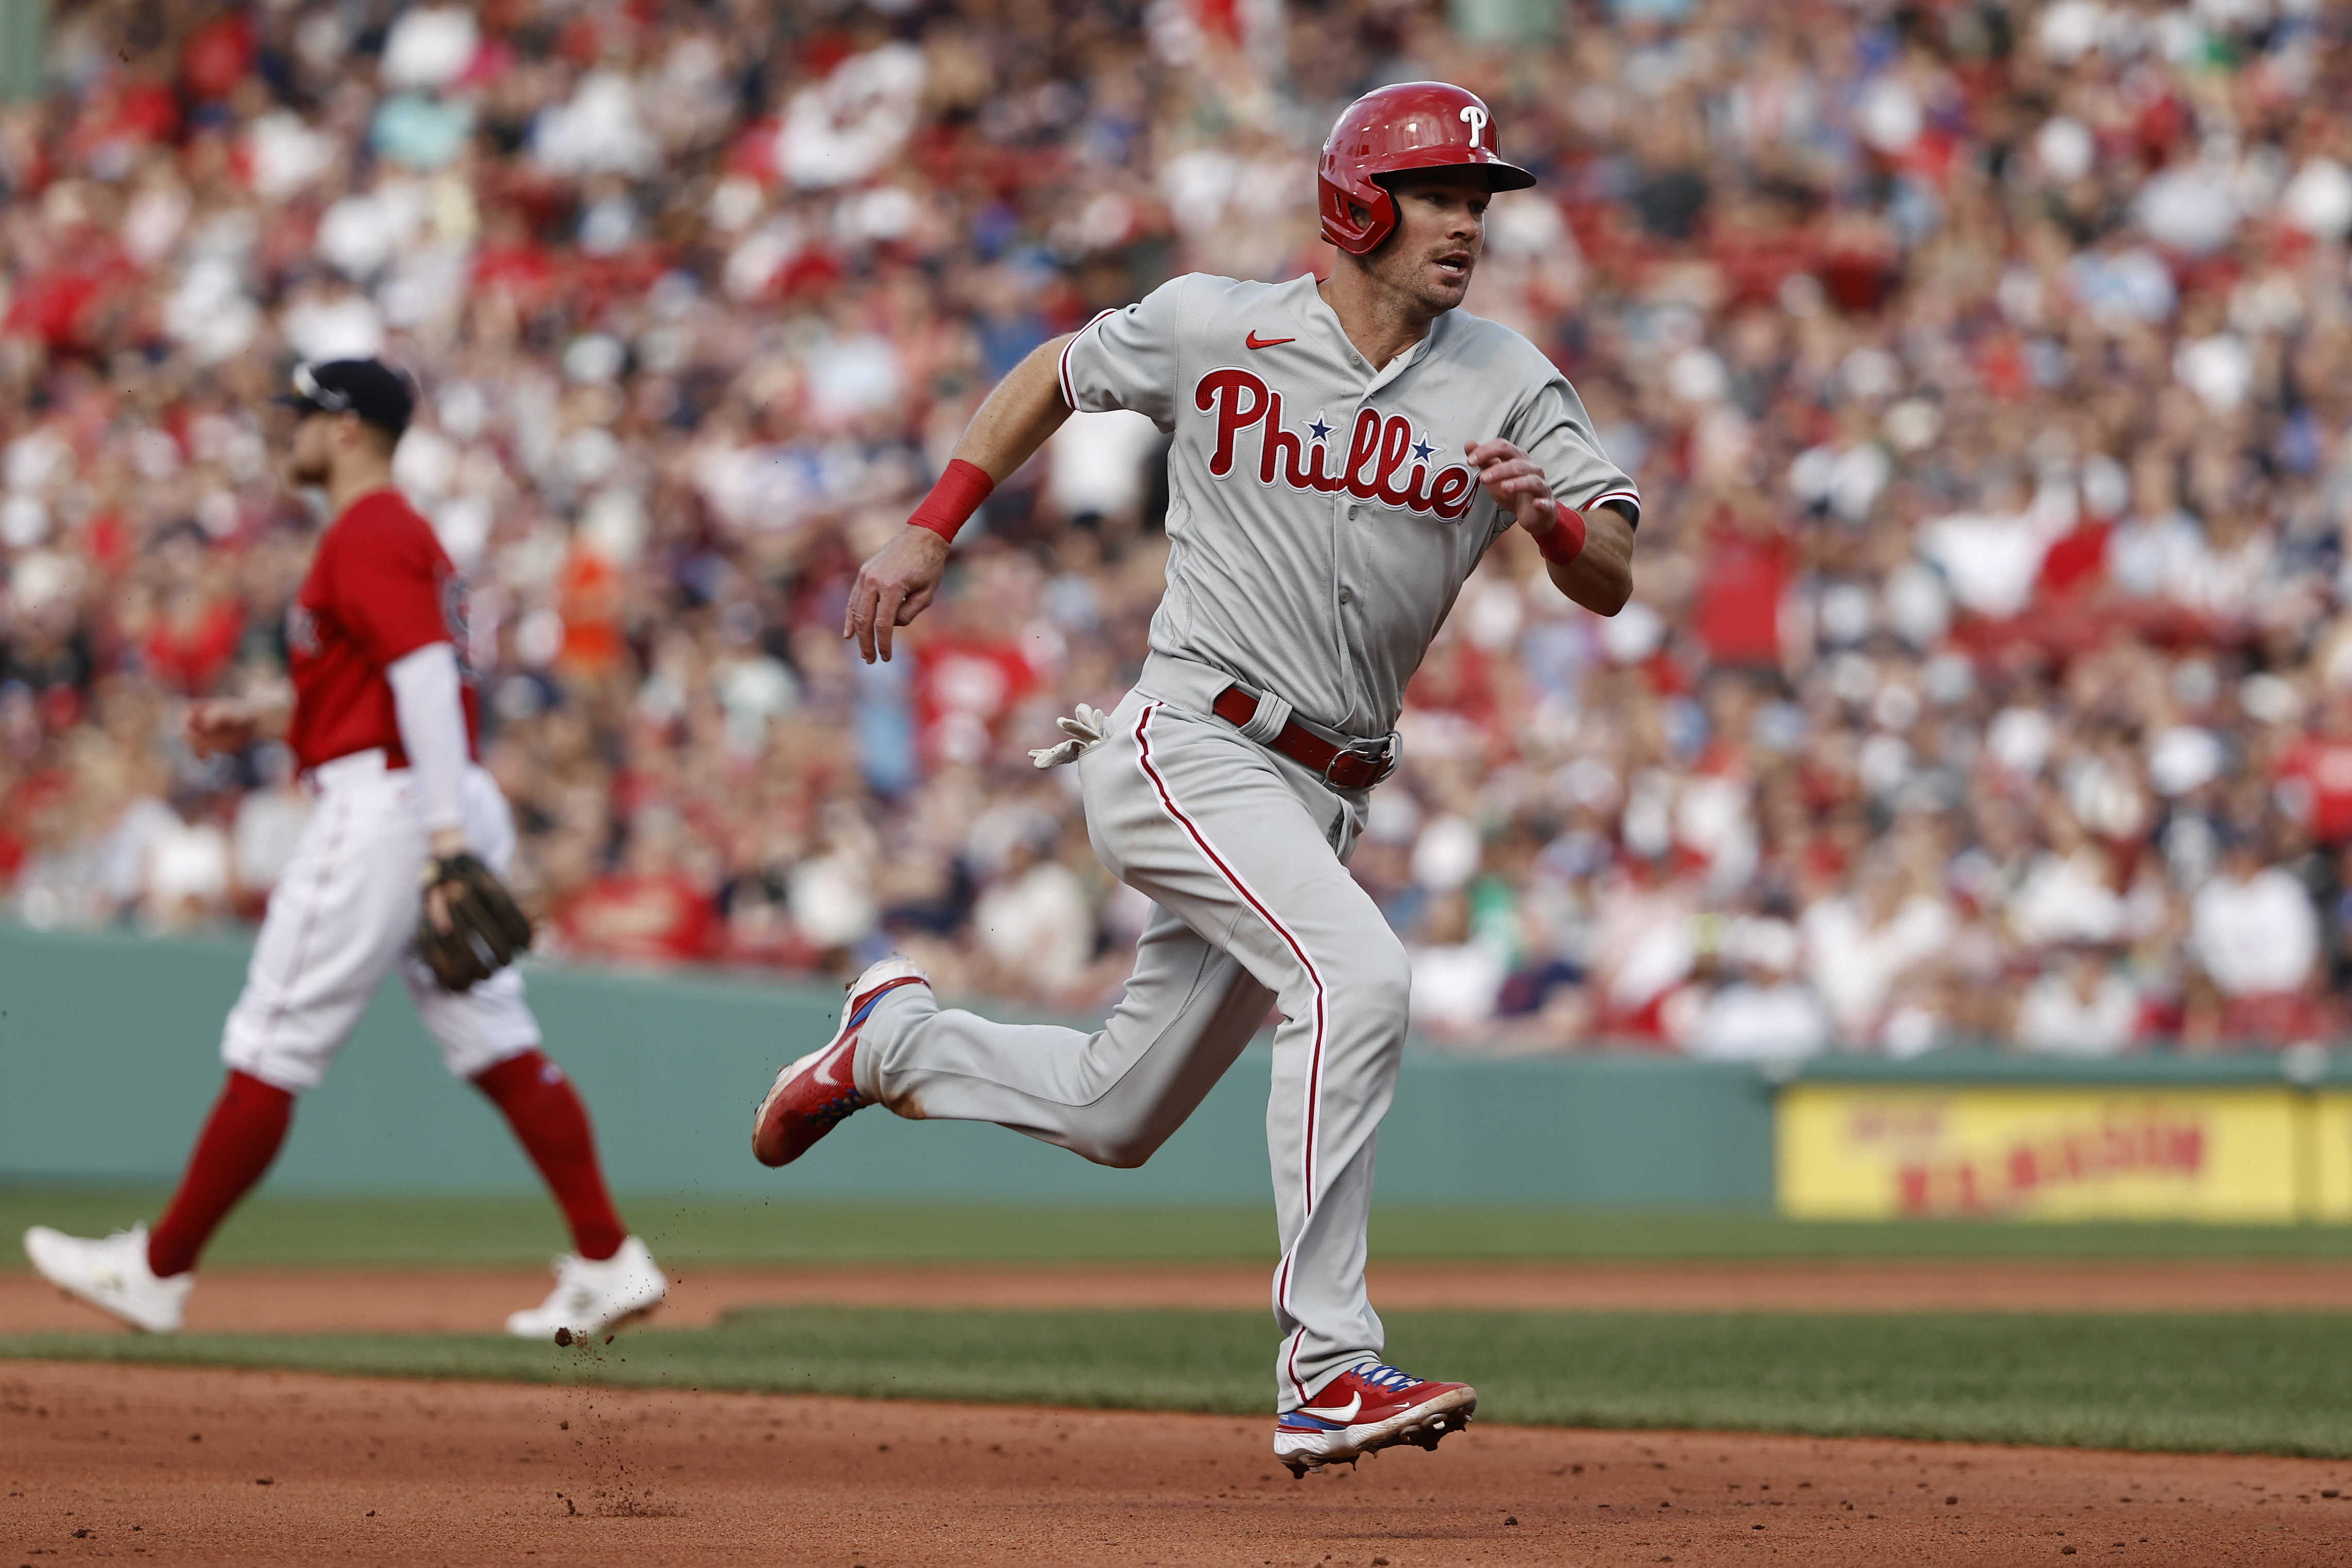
(1344, 453)
(398, 867)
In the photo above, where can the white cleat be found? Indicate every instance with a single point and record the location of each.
(592, 1295)
(113, 1275)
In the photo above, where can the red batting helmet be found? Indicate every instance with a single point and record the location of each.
(1414, 125)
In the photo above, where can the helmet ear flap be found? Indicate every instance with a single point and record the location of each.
(1383, 218)
(1356, 218)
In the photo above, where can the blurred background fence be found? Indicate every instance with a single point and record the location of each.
(108, 1052)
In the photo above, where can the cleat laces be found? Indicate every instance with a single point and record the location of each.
(833, 1111)
(1383, 1376)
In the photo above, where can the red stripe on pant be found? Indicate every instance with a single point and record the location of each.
(1315, 1060)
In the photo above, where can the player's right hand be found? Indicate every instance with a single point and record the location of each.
(217, 724)
(893, 587)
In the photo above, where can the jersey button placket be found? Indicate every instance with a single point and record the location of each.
(1355, 511)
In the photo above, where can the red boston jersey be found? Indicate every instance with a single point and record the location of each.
(379, 588)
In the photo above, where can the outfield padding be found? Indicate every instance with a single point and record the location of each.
(112, 1047)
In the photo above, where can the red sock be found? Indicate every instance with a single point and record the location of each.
(235, 1147)
(546, 1114)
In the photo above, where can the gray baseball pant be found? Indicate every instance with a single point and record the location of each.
(1242, 851)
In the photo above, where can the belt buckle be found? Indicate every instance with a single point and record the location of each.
(1382, 753)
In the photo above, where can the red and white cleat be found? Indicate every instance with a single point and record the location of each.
(812, 1096)
(1366, 1409)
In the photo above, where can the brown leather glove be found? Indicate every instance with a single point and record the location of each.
(470, 926)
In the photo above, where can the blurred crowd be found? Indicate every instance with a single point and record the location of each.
(1986, 368)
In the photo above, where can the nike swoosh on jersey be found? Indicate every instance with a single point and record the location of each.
(1343, 1414)
(1255, 341)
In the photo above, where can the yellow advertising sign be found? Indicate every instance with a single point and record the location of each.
(1860, 1152)
(2331, 1157)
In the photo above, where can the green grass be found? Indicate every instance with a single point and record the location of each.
(2268, 1383)
(458, 1230)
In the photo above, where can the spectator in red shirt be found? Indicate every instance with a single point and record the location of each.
(1747, 570)
(648, 913)
(2316, 772)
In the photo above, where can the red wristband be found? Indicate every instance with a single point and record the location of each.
(956, 497)
(1565, 543)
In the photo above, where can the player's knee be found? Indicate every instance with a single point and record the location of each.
(1126, 1155)
(1122, 1152)
(1123, 1146)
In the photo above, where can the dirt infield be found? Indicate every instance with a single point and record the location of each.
(206, 1466)
(444, 1300)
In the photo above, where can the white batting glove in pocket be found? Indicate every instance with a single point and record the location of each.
(1086, 729)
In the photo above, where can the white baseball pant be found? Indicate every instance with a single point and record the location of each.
(343, 916)
(1242, 853)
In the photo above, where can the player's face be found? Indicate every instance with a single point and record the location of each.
(1441, 228)
(310, 456)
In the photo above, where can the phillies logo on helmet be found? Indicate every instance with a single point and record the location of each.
(1399, 130)
(1386, 461)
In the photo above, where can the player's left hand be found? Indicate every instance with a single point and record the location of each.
(1517, 484)
(470, 926)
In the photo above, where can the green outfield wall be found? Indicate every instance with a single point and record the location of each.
(110, 1056)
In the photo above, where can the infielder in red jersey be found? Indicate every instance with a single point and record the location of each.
(1342, 455)
(382, 725)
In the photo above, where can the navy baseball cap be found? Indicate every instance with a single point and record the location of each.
(370, 388)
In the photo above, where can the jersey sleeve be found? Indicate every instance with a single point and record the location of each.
(1554, 429)
(1129, 359)
(390, 584)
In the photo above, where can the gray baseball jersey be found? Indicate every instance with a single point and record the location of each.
(1321, 520)
(1320, 514)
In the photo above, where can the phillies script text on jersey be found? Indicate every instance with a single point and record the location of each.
(1320, 516)
(1378, 449)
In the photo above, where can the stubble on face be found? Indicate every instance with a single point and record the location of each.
(1430, 259)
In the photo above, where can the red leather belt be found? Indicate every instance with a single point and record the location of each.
(1358, 766)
